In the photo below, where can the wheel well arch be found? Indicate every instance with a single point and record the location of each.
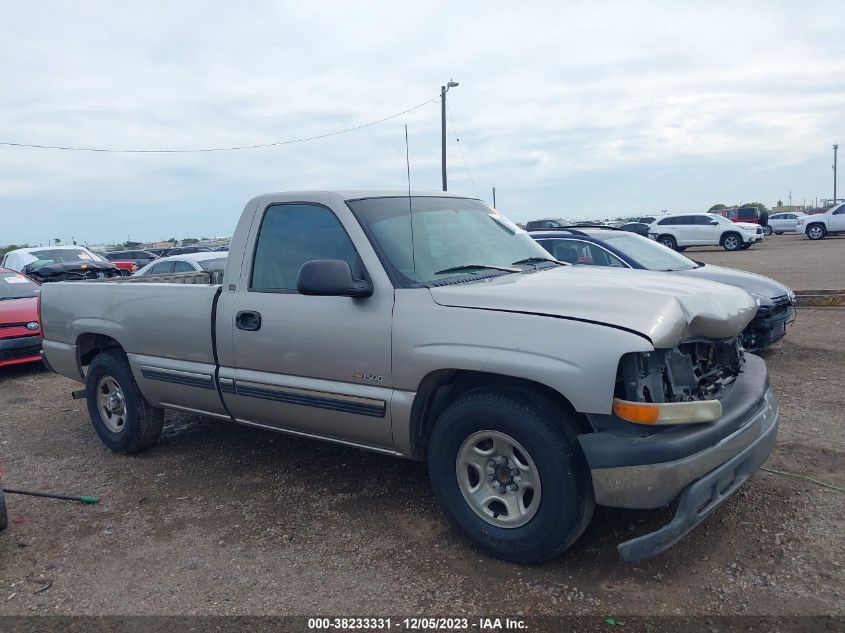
(729, 232)
(88, 345)
(442, 386)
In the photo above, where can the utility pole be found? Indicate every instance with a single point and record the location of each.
(443, 91)
(494, 197)
(835, 150)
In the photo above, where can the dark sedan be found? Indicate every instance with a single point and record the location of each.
(138, 257)
(622, 249)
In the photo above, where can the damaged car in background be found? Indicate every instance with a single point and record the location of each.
(428, 326)
(60, 263)
(606, 246)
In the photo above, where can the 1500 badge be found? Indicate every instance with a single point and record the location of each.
(366, 376)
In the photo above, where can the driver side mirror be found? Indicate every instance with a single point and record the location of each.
(714, 222)
(331, 278)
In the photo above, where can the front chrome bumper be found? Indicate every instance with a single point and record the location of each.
(701, 498)
(655, 485)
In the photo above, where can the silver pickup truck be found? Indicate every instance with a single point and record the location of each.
(428, 326)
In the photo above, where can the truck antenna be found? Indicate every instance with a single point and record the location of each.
(410, 204)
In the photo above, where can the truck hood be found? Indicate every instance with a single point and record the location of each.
(666, 309)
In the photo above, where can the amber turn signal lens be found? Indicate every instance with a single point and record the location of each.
(636, 411)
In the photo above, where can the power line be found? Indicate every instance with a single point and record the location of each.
(219, 149)
(460, 147)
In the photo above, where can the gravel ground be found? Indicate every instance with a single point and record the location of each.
(792, 259)
(220, 519)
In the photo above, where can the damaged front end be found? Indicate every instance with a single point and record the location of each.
(691, 423)
(695, 370)
(72, 271)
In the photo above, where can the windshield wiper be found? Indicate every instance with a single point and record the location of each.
(458, 269)
(538, 260)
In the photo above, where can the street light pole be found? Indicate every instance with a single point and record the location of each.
(835, 150)
(494, 197)
(443, 91)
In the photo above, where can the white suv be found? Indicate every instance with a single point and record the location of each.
(681, 230)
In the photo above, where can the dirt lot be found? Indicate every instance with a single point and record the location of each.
(219, 519)
(791, 259)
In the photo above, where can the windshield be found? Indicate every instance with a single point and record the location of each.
(51, 256)
(649, 253)
(15, 286)
(451, 237)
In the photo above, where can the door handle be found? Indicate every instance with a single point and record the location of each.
(248, 320)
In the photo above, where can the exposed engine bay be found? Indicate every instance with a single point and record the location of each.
(72, 271)
(695, 370)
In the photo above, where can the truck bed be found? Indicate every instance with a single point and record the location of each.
(159, 318)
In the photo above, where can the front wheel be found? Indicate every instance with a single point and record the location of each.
(123, 419)
(508, 473)
(816, 231)
(732, 242)
(767, 230)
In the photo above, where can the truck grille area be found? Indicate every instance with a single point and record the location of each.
(696, 370)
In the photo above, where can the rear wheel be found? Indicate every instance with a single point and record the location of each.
(778, 232)
(507, 471)
(123, 419)
(816, 231)
(731, 242)
(668, 241)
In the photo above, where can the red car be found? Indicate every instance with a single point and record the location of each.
(20, 331)
(126, 267)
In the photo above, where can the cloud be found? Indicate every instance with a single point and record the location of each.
(552, 95)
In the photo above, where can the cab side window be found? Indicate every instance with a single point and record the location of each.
(292, 234)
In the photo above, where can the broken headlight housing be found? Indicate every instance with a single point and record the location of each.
(695, 370)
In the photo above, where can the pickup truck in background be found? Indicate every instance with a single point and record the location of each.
(820, 225)
(430, 327)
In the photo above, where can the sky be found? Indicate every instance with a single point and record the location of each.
(573, 109)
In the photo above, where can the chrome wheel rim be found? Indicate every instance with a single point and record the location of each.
(668, 244)
(498, 479)
(111, 404)
(815, 232)
(731, 242)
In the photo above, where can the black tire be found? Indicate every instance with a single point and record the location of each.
(732, 241)
(816, 231)
(767, 230)
(548, 435)
(778, 232)
(668, 241)
(142, 423)
(4, 516)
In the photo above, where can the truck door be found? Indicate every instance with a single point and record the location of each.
(307, 364)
